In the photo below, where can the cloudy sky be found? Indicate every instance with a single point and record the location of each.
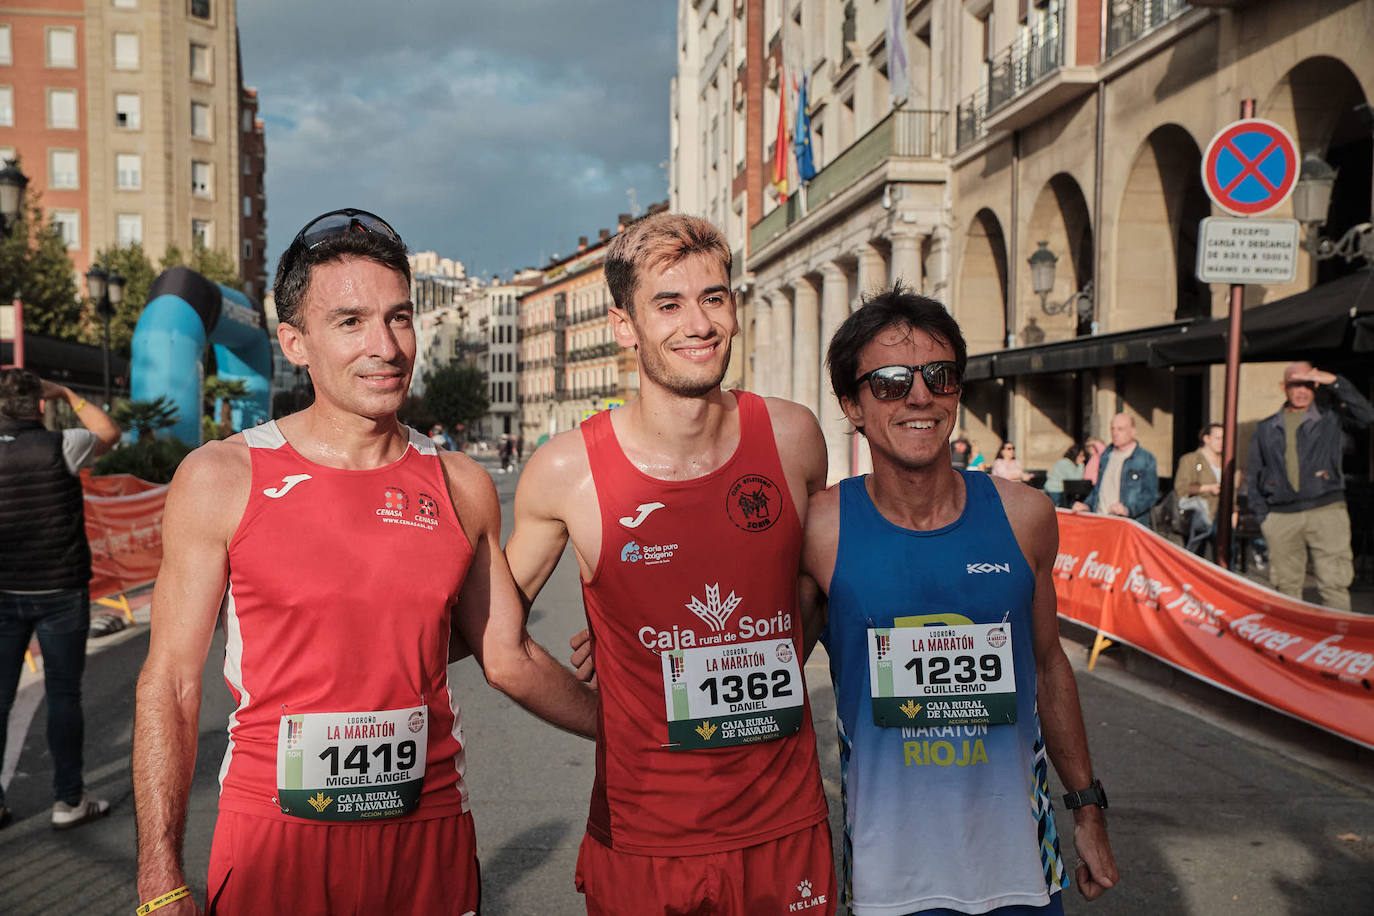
(491, 132)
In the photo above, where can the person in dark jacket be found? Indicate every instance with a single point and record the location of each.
(1295, 485)
(45, 570)
(1128, 476)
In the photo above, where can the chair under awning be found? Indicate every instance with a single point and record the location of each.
(1328, 320)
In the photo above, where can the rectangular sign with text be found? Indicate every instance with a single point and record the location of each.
(1236, 250)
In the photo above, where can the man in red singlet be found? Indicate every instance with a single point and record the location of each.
(686, 517)
(347, 553)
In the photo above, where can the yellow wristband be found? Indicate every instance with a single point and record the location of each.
(159, 902)
(80, 403)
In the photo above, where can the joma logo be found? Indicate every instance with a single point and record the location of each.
(988, 568)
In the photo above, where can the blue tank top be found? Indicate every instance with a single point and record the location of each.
(951, 816)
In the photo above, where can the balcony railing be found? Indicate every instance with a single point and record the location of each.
(595, 351)
(971, 113)
(904, 133)
(1130, 20)
(1013, 72)
(593, 391)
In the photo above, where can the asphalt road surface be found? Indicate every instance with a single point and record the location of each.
(1217, 807)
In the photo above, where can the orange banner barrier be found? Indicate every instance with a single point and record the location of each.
(1131, 585)
(124, 527)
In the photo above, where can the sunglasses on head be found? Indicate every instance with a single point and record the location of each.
(888, 383)
(336, 223)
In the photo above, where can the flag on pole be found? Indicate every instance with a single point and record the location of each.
(801, 135)
(898, 67)
(780, 148)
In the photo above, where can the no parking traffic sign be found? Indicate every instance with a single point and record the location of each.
(1250, 166)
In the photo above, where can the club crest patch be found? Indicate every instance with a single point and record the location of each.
(753, 503)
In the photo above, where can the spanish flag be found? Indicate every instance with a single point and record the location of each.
(780, 148)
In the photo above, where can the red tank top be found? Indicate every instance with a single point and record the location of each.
(670, 549)
(341, 585)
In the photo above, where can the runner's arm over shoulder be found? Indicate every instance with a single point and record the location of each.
(820, 546)
(205, 502)
(541, 532)
(490, 616)
(801, 445)
(1036, 526)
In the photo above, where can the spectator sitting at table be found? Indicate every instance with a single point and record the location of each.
(977, 462)
(1092, 450)
(1006, 466)
(1197, 481)
(1070, 467)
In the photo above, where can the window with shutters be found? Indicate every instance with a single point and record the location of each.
(126, 50)
(129, 229)
(200, 121)
(202, 179)
(128, 171)
(128, 111)
(60, 46)
(62, 108)
(64, 169)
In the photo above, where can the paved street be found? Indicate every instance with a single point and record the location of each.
(1216, 808)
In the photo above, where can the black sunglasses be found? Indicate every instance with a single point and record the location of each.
(888, 383)
(336, 223)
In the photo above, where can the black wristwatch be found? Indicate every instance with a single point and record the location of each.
(1094, 794)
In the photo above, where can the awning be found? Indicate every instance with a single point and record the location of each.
(1074, 355)
(1335, 318)
(67, 362)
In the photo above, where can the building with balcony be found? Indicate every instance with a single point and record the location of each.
(570, 366)
(490, 341)
(126, 117)
(877, 208)
(1079, 124)
(440, 290)
(253, 192)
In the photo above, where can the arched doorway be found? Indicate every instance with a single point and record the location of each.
(981, 309)
(981, 305)
(1156, 242)
(1324, 99)
(1060, 219)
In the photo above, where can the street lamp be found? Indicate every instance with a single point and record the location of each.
(106, 290)
(1042, 262)
(12, 185)
(1311, 200)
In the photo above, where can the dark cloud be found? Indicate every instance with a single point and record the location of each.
(493, 133)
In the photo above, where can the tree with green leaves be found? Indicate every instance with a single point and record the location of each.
(146, 417)
(132, 263)
(224, 392)
(456, 394)
(211, 263)
(34, 265)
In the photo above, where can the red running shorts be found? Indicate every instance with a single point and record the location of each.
(262, 865)
(792, 874)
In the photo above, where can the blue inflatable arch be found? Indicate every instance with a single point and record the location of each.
(184, 312)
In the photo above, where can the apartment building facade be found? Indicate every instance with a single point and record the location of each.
(253, 194)
(440, 289)
(1076, 123)
(569, 364)
(494, 348)
(125, 115)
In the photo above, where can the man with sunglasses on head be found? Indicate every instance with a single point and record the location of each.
(685, 511)
(941, 627)
(346, 555)
(1296, 486)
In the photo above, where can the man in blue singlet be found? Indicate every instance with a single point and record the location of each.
(950, 682)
